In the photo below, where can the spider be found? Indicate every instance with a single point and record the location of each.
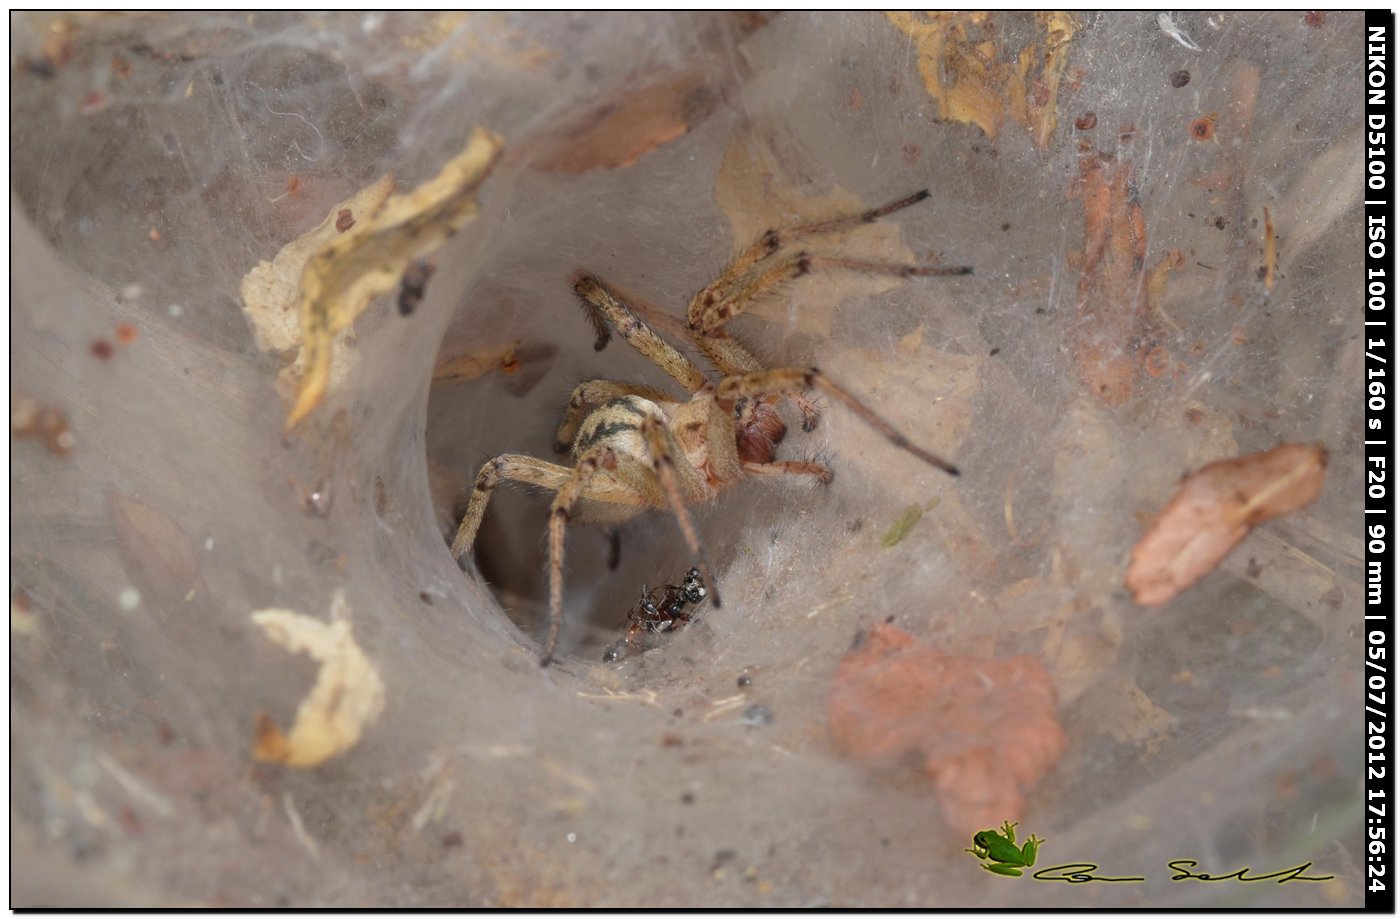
(636, 448)
(660, 610)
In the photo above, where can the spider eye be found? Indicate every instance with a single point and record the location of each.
(739, 408)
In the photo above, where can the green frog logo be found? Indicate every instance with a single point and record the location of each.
(998, 849)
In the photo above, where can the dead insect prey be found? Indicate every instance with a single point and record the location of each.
(662, 609)
(636, 448)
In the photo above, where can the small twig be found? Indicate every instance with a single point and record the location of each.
(647, 696)
(723, 706)
(297, 828)
(134, 787)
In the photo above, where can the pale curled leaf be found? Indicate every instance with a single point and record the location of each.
(347, 697)
(1213, 510)
(368, 260)
(269, 291)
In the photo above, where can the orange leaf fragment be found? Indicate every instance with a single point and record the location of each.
(1213, 510)
(643, 117)
(1113, 314)
(965, 59)
(984, 730)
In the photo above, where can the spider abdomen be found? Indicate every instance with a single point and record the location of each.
(617, 424)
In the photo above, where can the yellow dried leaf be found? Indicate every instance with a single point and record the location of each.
(1042, 68)
(974, 92)
(1214, 509)
(269, 291)
(351, 269)
(347, 697)
(965, 70)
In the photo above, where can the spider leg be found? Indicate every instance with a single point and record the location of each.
(589, 395)
(664, 463)
(564, 500)
(724, 309)
(607, 311)
(726, 297)
(782, 380)
(513, 467)
(731, 358)
(614, 548)
(790, 467)
(776, 238)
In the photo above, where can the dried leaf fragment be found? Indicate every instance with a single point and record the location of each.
(964, 61)
(347, 697)
(368, 260)
(154, 544)
(269, 291)
(1213, 510)
(984, 730)
(1127, 714)
(626, 127)
(902, 527)
(523, 364)
(1115, 318)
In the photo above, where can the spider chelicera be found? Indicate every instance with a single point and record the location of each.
(636, 448)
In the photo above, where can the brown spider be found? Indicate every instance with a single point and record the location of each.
(636, 448)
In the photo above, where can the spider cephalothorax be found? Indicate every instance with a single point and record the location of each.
(636, 447)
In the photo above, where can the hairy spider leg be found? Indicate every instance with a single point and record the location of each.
(606, 310)
(515, 467)
(774, 239)
(788, 269)
(728, 295)
(664, 462)
(791, 467)
(568, 494)
(527, 470)
(788, 378)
